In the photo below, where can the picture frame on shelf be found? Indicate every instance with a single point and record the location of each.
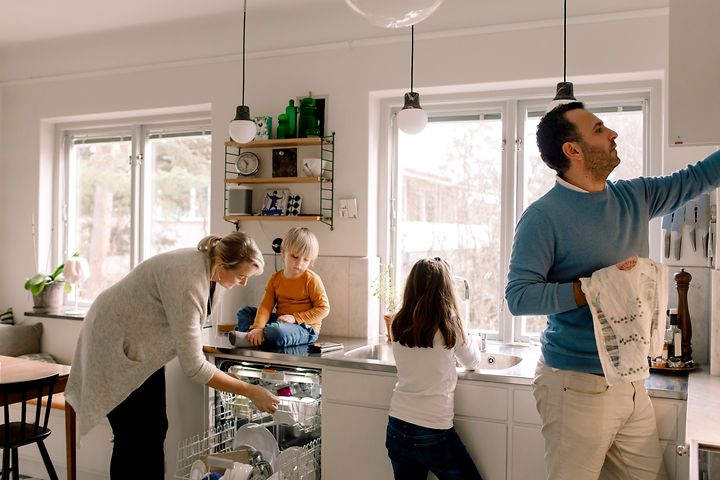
(294, 205)
(275, 202)
(284, 162)
(264, 127)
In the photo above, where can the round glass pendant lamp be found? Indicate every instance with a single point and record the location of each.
(412, 119)
(242, 129)
(394, 13)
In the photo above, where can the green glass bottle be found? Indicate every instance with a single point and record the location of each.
(291, 114)
(282, 126)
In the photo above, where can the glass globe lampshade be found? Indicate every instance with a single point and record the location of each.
(242, 129)
(412, 118)
(394, 13)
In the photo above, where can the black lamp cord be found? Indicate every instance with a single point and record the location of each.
(564, 41)
(412, 54)
(243, 51)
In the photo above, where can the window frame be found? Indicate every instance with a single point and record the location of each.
(139, 130)
(513, 104)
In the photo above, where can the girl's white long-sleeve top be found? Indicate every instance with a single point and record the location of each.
(135, 327)
(425, 391)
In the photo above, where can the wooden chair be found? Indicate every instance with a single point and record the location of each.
(27, 429)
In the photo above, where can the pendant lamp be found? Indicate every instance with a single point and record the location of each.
(412, 118)
(564, 93)
(394, 13)
(242, 129)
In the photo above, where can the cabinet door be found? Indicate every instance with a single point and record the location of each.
(670, 418)
(694, 72)
(353, 442)
(486, 442)
(527, 458)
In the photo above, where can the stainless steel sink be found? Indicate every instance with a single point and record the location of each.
(383, 352)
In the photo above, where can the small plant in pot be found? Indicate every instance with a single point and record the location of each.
(48, 289)
(384, 289)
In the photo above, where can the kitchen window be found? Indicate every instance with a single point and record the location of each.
(458, 188)
(132, 192)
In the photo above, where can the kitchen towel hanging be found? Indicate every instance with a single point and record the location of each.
(626, 307)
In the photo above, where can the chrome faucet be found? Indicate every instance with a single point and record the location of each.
(482, 341)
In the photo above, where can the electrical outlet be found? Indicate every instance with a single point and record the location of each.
(348, 208)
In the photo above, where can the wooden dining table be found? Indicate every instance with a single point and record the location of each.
(14, 369)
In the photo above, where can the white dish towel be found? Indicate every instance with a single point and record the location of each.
(627, 307)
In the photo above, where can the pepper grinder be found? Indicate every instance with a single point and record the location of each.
(682, 281)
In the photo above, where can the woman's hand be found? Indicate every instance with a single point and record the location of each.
(263, 399)
(256, 337)
(286, 318)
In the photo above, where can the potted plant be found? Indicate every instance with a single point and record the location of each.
(384, 289)
(47, 290)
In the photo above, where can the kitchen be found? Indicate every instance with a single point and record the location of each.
(467, 49)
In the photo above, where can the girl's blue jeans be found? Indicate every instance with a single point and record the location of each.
(415, 450)
(277, 334)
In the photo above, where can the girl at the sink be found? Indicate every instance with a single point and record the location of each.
(428, 337)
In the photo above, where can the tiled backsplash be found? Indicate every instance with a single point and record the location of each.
(346, 281)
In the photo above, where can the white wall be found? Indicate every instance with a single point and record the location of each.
(166, 68)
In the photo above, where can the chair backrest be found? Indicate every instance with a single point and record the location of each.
(28, 426)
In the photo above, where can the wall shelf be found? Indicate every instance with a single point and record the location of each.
(324, 182)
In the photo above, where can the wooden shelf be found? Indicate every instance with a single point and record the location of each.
(272, 218)
(284, 142)
(239, 180)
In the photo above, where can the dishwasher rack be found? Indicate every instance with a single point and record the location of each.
(300, 466)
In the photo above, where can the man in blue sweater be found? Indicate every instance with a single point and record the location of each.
(583, 224)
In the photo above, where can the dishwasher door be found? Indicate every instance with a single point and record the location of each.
(708, 462)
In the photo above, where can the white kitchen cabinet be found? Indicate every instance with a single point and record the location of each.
(694, 73)
(355, 413)
(498, 423)
(670, 416)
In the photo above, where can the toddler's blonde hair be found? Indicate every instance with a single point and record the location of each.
(301, 241)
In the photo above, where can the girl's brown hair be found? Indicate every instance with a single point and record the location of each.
(429, 304)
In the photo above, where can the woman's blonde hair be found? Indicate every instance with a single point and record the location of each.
(232, 250)
(301, 241)
(429, 304)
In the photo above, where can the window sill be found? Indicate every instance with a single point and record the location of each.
(62, 314)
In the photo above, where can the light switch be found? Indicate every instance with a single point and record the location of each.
(348, 208)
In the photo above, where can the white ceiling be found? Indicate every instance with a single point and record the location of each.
(23, 21)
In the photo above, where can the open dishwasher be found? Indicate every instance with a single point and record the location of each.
(294, 454)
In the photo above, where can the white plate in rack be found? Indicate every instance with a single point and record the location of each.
(260, 438)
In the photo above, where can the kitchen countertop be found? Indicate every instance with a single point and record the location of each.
(703, 422)
(658, 385)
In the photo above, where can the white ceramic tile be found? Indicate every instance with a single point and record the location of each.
(360, 300)
(334, 273)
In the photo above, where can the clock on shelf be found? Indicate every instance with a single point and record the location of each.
(247, 164)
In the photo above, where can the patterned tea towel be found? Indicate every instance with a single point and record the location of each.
(626, 307)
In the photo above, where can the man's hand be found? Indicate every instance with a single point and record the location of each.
(628, 263)
(286, 319)
(256, 337)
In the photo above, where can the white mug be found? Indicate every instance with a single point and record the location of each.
(312, 167)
